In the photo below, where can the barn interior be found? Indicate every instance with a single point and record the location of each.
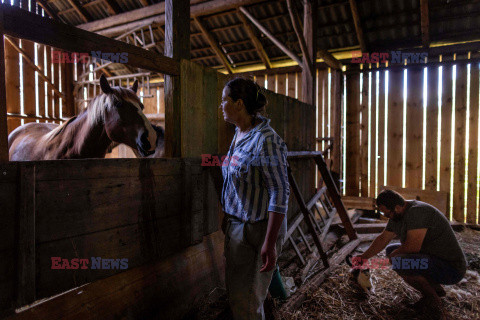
(367, 94)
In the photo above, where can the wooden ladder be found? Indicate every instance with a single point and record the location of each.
(318, 228)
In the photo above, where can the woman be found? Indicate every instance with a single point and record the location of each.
(254, 198)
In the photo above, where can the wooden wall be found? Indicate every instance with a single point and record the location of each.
(411, 144)
(139, 209)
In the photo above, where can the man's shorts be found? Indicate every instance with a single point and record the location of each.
(431, 267)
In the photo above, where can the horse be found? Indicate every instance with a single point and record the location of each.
(114, 116)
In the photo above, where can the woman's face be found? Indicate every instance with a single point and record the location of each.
(229, 107)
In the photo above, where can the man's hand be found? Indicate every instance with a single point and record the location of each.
(269, 257)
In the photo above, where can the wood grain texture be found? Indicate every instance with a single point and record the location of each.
(459, 152)
(364, 136)
(352, 156)
(395, 127)
(414, 139)
(381, 129)
(431, 139)
(446, 130)
(473, 145)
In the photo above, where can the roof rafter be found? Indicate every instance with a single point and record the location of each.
(425, 23)
(270, 36)
(256, 42)
(298, 31)
(213, 43)
(80, 10)
(113, 7)
(358, 25)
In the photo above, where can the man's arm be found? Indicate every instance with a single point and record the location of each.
(378, 244)
(413, 242)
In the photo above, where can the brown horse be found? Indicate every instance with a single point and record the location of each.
(114, 116)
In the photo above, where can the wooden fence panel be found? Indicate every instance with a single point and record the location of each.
(352, 158)
(12, 83)
(431, 157)
(291, 85)
(395, 130)
(382, 151)
(414, 126)
(459, 152)
(364, 136)
(473, 145)
(446, 132)
(281, 84)
(373, 133)
(41, 84)
(29, 81)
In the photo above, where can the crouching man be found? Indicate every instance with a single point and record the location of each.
(429, 254)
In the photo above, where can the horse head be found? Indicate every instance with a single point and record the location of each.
(124, 119)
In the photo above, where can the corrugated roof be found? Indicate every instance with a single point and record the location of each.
(386, 24)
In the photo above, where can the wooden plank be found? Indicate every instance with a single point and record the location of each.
(414, 161)
(395, 127)
(459, 152)
(309, 57)
(50, 93)
(373, 134)
(55, 109)
(446, 131)
(298, 90)
(146, 291)
(337, 109)
(364, 135)
(381, 129)
(256, 42)
(438, 199)
(358, 25)
(67, 87)
(26, 25)
(352, 155)
(41, 83)
(26, 285)
(322, 107)
(358, 203)
(281, 84)
(260, 80)
(431, 178)
(473, 145)
(29, 80)
(291, 85)
(424, 23)
(271, 82)
(214, 44)
(212, 98)
(12, 83)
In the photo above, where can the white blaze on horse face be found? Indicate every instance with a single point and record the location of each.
(152, 134)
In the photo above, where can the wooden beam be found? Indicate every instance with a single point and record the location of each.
(156, 14)
(256, 42)
(425, 23)
(329, 59)
(80, 10)
(177, 46)
(298, 31)
(270, 36)
(213, 43)
(3, 99)
(144, 3)
(48, 11)
(113, 7)
(27, 25)
(309, 56)
(358, 25)
(34, 66)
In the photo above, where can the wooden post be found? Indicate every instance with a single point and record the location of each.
(414, 116)
(337, 94)
(3, 100)
(177, 46)
(395, 127)
(432, 130)
(309, 33)
(446, 133)
(352, 156)
(473, 148)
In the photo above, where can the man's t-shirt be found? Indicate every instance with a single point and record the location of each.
(439, 240)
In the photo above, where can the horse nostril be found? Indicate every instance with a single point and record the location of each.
(144, 141)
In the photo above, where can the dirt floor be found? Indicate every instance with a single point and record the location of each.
(339, 297)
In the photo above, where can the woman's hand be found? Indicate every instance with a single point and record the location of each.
(269, 256)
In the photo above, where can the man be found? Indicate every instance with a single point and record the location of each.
(429, 254)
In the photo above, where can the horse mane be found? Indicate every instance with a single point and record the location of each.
(96, 109)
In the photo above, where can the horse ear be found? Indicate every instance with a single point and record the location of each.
(135, 86)
(104, 85)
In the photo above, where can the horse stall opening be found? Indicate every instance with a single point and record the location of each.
(148, 228)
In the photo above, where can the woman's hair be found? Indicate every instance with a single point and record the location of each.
(251, 94)
(390, 199)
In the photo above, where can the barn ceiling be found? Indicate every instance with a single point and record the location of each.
(386, 24)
